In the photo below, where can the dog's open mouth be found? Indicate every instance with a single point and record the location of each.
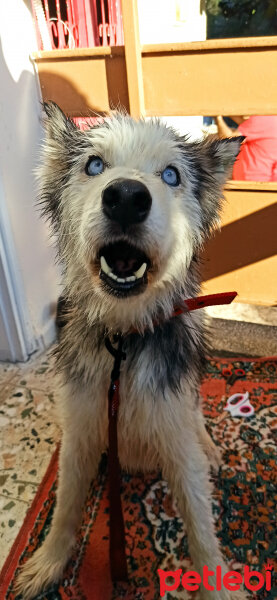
(123, 268)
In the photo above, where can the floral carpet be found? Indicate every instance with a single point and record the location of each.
(28, 437)
(244, 505)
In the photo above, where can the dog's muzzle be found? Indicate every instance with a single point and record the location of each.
(123, 266)
(126, 202)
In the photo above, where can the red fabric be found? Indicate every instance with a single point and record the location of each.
(257, 160)
(203, 301)
(85, 123)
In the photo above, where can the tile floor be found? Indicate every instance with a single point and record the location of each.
(28, 437)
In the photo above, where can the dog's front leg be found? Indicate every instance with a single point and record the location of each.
(185, 467)
(78, 463)
(211, 450)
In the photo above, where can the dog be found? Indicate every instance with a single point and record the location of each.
(131, 204)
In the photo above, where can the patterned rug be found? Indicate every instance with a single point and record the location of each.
(244, 505)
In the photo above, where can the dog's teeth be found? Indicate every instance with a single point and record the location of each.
(108, 271)
(113, 276)
(140, 272)
(104, 266)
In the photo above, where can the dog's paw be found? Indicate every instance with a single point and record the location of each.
(42, 570)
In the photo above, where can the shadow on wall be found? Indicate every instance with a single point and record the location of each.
(240, 243)
(108, 90)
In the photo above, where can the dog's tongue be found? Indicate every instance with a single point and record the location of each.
(125, 265)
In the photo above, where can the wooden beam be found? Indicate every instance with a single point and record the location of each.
(221, 44)
(258, 186)
(69, 54)
(133, 57)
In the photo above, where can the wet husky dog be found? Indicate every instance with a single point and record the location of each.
(131, 203)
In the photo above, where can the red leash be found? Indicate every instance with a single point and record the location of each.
(118, 562)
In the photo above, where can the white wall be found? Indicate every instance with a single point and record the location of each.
(174, 21)
(168, 21)
(26, 244)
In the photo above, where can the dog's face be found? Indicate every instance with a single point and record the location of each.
(132, 203)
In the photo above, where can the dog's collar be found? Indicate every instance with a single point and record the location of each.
(191, 304)
(118, 563)
(203, 301)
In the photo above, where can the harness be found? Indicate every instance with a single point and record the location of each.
(118, 562)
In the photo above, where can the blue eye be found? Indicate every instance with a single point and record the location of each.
(171, 176)
(94, 166)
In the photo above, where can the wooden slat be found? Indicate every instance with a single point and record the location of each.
(84, 80)
(259, 186)
(133, 57)
(220, 44)
(69, 54)
(197, 78)
(203, 79)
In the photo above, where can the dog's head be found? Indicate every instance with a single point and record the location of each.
(132, 203)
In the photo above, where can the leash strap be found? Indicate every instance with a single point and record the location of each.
(118, 563)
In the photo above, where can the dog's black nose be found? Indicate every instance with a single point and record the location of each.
(126, 201)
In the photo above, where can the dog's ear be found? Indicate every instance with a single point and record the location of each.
(211, 162)
(221, 154)
(54, 167)
(57, 126)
